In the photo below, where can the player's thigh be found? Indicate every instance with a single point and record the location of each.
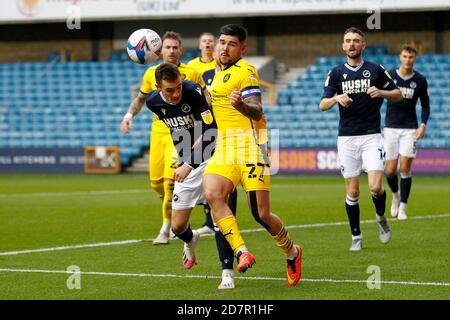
(220, 179)
(189, 193)
(349, 156)
(391, 143)
(408, 143)
(372, 153)
(156, 161)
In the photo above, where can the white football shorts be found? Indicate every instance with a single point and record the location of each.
(360, 153)
(400, 142)
(189, 193)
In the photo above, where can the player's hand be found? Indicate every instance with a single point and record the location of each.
(236, 98)
(181, 173)
(126, 123)
(344, 100)
(374, 92)
(420, 133)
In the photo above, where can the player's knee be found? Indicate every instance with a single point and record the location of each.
(214, 196)
(376, 188)
(391, 172)
(353, 193)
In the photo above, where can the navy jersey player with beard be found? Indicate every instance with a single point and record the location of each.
(401, 132)
(359, 88)
(182, 106)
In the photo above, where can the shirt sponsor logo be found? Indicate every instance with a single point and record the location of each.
(180, 123)
(407, 93)
(355, 86)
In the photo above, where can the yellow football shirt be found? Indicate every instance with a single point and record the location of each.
(149, 84)
(201, 66)
(244, 77)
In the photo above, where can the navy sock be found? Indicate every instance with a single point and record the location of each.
(380, 203)
(187, 235)
(393, 183)
(208, 218)
(232, 201)
(226, 254)
(405, 189)
(352, 207)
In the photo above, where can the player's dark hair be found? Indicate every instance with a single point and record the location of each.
(235, 31)
(166, 71)
(354, 30)
(172, 35)
(409, 48)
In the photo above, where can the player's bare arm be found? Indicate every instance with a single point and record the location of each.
(135, 107)
(420, 133)
(250, 107)
(394, 95)
(328, 103)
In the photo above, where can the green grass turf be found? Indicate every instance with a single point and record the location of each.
(43, 211)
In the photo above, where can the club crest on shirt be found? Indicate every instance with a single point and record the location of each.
(226, 78)
(366, 74)
(413, 85)
(345, 76)
(186, 108)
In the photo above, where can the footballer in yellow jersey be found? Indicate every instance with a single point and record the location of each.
(163, 156)
(239, 158)
(201, 66)
(206, 61)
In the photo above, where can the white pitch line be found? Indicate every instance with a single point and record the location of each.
(149, 275)
(74, 193)
(123, 242)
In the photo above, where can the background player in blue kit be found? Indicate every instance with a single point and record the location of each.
(401, 132)
(359, 87)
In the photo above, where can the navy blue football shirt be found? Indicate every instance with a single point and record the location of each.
(362, 116)
(402, 114)
(188, 121)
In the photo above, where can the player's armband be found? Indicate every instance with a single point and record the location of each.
(207, 117)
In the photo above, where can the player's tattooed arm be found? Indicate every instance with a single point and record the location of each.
(137, 104)
(250, 107)
(135, 107)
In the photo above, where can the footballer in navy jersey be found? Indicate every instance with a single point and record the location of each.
(182, 117)
(401, 131)
(362, 115)
(359, 88)
(402, 114)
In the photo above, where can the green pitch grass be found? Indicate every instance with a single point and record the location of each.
(48, 211)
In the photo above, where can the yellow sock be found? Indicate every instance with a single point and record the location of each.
(284, 242)
(167, 200)
(159, 189)
(229, 228)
